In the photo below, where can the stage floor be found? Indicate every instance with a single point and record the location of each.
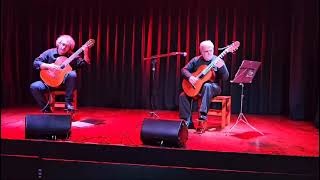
(282, 136)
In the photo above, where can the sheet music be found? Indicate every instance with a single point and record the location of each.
(246, 71)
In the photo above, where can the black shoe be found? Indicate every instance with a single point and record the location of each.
(203, 117)
(69, 107)
(189, 124)
(47, 110)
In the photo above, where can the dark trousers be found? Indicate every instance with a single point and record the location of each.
(208, 91)
(38, 89)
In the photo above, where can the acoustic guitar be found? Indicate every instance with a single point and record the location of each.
(54, 78)
(205, 74)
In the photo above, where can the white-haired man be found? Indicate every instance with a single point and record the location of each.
(64, 46)
(209, 89)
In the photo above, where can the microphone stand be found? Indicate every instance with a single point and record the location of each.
(153, 59)
(153, 114)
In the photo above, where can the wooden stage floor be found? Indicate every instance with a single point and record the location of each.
(103, 126)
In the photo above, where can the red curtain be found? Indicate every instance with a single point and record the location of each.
(119, 76)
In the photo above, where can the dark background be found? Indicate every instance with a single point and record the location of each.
(283, 35)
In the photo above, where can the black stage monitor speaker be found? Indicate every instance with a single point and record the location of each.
(160, 132)
(47, 126)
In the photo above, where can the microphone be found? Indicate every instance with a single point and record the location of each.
(182, 53)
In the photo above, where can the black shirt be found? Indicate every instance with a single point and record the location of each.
(50, 56)
(221, 73)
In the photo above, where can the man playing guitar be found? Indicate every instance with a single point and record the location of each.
(209, 89)
(46, 61)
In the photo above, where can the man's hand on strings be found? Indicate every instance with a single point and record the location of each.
(193, 80)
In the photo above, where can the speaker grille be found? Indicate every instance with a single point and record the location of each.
(45, 126)
(160, 132)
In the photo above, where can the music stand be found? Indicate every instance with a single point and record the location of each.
(245, 74)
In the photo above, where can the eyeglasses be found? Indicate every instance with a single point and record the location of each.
(64, 44)
(208, 51)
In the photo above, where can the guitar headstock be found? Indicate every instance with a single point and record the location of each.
(89, 43)
(233, 47)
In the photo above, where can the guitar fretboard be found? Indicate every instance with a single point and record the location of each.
(212, 64)
(69, 59)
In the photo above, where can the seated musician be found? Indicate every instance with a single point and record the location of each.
(64, 46)
(209, 89)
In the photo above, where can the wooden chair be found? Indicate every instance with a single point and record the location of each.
(224, 112)
(61, 104)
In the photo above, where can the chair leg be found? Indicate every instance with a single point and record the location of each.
(52, 101)
(228, 110)
(223, 114)
(75, 99)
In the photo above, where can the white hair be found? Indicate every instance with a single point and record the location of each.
(206, 43)
(69, 40)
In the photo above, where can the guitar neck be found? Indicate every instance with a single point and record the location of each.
(212, 64)
(74, 55)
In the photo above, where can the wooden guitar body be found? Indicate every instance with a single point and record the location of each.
(54, 78)
(193, 91)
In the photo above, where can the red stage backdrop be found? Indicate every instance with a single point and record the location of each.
(283, 35)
